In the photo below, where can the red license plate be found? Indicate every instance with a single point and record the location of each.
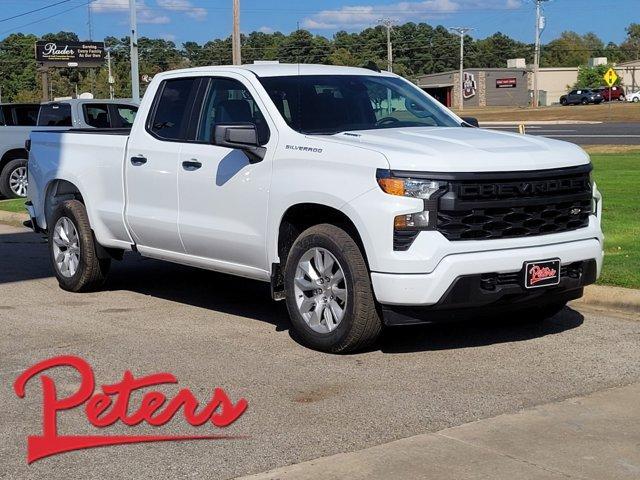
(542, 273)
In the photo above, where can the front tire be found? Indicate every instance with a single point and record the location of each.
(13, 179)
(328, 292)
(73, 251)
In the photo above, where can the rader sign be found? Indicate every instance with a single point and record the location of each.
(70, 54)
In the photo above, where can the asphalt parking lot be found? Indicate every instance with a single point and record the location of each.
(581, 133)
(214, 330)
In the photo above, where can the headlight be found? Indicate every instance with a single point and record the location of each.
(409, 187)
(425, 189)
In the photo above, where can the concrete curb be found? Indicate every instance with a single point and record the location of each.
(13, 219)
(615, 298)
(542, 122)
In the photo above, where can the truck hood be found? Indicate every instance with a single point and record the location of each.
(459, 149)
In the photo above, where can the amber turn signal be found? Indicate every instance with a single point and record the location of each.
(392, 186)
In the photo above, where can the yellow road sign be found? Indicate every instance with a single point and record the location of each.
(610, 77)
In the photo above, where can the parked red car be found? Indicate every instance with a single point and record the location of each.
(617, 93)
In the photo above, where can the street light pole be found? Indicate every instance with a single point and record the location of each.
(135, 74)
(461, 31)
(536, 53)
(110, 79)
(388, 24)
(235, 36)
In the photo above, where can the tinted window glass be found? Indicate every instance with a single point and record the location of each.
(26, 114)
(5, 115)
(55, 115)
(228, 101)
(97, 115)
(327, 104)
(169, 119)
(126, 115)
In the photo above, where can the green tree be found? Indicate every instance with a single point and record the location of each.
(631, 46)
(592, 77)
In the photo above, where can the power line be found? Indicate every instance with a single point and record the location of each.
(47, 18)
(33, 11)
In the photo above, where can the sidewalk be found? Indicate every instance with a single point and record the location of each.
(592, 437)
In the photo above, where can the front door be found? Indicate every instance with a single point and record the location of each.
(223, 195)
(151, 169)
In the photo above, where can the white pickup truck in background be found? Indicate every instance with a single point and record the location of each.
(17, 120)
(362, 200)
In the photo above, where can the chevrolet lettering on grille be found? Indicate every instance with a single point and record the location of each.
(511, 189)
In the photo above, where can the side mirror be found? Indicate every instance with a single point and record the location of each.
(240, 136)
(470, 122)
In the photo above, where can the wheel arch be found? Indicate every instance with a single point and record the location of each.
(58, 190)
(13, 154)
(297, 218)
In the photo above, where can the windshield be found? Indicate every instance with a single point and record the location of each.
(328, 104)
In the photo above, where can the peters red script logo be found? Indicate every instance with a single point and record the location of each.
(539, 274)
(111, 406)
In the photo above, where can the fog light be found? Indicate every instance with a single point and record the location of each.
(412, 221)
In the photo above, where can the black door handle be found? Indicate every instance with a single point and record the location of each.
(137, 161)
(191, 165)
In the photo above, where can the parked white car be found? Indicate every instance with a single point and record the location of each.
(634, 97)
(359, 211)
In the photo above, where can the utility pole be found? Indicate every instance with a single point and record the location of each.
(110, 79)
(135, 74)
(89, 22)
(235, 36)
(461, 31)
(536, 54)
(388, 24)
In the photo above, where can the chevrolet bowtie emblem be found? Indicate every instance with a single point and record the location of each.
(575, 211)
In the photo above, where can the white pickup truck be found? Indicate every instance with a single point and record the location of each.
(362, 200)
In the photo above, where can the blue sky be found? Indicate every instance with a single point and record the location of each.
(201, 20)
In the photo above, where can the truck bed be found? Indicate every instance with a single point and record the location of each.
(87, 158)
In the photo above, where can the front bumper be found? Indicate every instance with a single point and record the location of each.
(429, 288)
(472, 296)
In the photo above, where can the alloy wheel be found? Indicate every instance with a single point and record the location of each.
(320, 290)
(18, 181)
(66, 247)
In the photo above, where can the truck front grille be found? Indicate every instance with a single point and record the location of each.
(526, 204)
(516, 221)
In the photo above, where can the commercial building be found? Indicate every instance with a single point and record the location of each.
(512, 86)
(629, 72)
(481, 87)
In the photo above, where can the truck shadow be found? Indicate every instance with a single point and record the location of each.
(476, 332)
(23, 257)
(251, 299)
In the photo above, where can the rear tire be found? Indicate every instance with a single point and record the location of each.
(13, 179)
(563, 102)
(349, 319)
(73, 251)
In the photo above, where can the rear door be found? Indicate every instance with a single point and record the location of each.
(151, 168)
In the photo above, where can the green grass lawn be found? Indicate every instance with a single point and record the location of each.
(16, 205)
(618, 178)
